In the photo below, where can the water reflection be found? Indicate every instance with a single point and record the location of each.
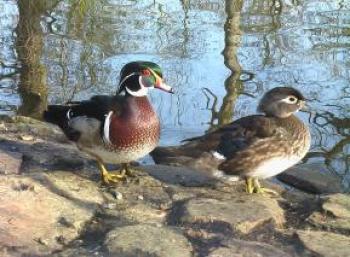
(8, 62)
(220, 56)
(32, 86)
(233, 84)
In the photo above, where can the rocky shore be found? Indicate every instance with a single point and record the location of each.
(53, 204)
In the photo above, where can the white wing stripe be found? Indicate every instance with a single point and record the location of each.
(106, 128)
(218, 155)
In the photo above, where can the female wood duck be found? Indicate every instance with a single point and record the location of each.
(252, 147)
(115, 129)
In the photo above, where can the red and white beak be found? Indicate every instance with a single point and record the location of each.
(160, 84)
(164, 87)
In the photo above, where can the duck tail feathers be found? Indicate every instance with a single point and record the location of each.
(57, 114)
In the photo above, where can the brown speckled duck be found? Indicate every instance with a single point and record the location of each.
(115, 129)
(253, 147)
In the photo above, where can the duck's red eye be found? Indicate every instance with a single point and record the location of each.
(146, 73)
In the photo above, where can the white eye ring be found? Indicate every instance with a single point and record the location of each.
(290, 100)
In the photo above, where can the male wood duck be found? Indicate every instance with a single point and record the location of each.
(115, 129)
(253, 147)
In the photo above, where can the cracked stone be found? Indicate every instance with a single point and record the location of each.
(338, 205)
(336, 213)
(244, 213)
(239, 248)
(48, 207)
(325, 243)
(312, 178)
(147, 240)
(26, 137)
(10, 162)
(143, 213)
(178, 175)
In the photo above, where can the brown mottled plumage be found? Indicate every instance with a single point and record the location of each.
(252, 147)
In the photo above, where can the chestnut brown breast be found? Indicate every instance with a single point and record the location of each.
(136, 126)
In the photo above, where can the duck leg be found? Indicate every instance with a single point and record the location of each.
(249, 185)
(128, 170)
(257, 188)
(109, 178)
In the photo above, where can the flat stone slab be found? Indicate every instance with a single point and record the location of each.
(240, 248)
(244, 213)
(41, 212)
(29, 126)
(312, 178)
(338, 205)
(147, 240)
(57, 207)
(10, 162)
(335, 214)
(322, 220)
(143, 213)
(325, 243)
(179, 175)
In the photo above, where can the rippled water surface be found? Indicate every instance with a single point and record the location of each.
(220, 57)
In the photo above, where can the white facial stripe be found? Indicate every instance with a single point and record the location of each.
(126, 77)
(106, 128)
(288, 101)
(141, 92)
(141, 82)
(68, 114)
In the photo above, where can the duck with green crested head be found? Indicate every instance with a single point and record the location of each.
(115, 129)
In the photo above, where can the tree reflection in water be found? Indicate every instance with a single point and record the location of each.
(32, 87)
(221, 56)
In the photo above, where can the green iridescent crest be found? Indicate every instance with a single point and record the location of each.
(152, 66)
(149, 81)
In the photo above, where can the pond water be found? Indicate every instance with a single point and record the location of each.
(219, 57)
